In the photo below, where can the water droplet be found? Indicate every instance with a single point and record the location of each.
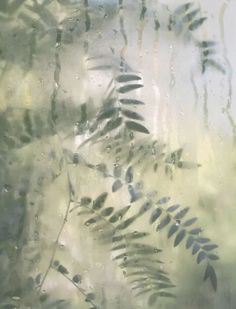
(6, 188)
(16, 298)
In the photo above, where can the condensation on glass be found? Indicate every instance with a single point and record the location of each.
(117, 154)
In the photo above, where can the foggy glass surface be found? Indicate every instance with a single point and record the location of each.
(117, 154)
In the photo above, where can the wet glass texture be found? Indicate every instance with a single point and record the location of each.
(117, 154)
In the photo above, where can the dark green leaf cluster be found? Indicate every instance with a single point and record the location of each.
(173, 219)
(115, 112)
(208, 52)
(187, 16)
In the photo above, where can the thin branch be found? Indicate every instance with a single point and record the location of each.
(79, 289)
(55, 246)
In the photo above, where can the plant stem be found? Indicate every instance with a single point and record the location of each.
(55, 246)
(80, 290)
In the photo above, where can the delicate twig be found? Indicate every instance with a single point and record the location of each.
(80, 290)
(55, 246)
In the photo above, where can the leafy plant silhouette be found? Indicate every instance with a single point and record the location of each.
(119, 129)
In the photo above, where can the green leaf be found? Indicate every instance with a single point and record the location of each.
(183, 8)
(77, 278)
(129, 236)
(210, 273)
(129, 175)
(83, 113)
(139, 262)
(214, 64)
(195, 231)
(121, 256)
(118, 215)
(167, 294)
(165, 286)
(163, 200)
(173, 229)
(196, 248)
(208, 52)
(175, 156)
(190, 222)
(144, 208)
(145, 247)
(132, 115)
(85, 201)
(56, 263)
(126, 223)
(107, 211)
(127, 78)
(101, 67)
(107, 113)
(153, 298)
(206, 44)
(62, 270)
(100, 200)
(196, 24)
(119, 247)
(179, 238)
(135, 195)
(28, 123)
(164, 223)
(202, 240)
(181, 213)
(117, 184)
(112, 124)
(157, 24)
(92, 220)
(128, 88)
(187, 165)
(143, 12)
(155, 215)
(190, 16)
(102, 168)
(131, 102)
(189, 242)
(213, 257)
(209, 247)
(201, 256)
(38, 278)
(89, 297)
(135, 126)
(173, 208)
(85, 212)
(144, 291)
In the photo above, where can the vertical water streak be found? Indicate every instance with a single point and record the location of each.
(205, 88)
(205, 104)
(195, 90)
(229, 67)
(56, 75)
(171, 68)
(228, 106)
(104, 299)
(32, 48)
(155, 66)
(87, 25)
(123, 33)
(141, 22)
